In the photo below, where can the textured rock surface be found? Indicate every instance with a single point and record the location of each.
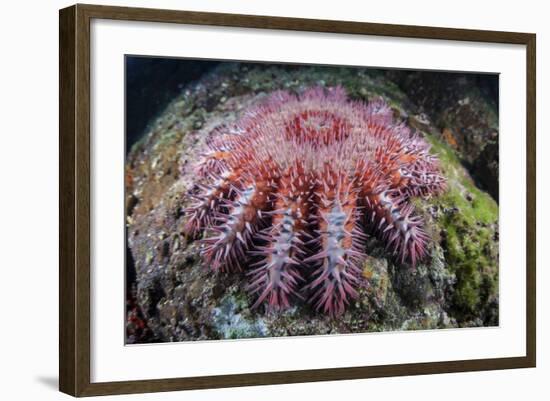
(182, 299)
(464, 109)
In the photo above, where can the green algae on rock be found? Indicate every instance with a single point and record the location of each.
(471, 241)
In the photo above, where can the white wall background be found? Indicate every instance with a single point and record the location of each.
(29, 185)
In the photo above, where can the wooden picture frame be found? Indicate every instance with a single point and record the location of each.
(74, 200)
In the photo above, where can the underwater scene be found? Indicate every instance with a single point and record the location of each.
(269, 200)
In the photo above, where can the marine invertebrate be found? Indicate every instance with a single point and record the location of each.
(293, 189)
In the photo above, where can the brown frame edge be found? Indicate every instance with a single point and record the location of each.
(74, 199)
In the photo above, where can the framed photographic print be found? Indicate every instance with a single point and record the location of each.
(312, 200)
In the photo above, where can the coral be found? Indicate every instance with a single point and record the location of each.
(137, 330)
(292, 191)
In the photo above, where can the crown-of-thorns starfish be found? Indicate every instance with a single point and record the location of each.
(293, 189)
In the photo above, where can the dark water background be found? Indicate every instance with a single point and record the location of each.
(151, 84)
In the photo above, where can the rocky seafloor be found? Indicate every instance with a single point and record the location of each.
(173, 296)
